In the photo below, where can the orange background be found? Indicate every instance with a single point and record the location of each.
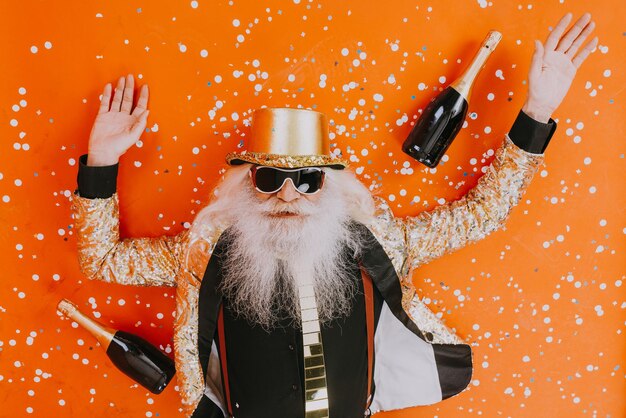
(543, 301)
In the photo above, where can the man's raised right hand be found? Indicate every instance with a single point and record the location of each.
(118, 126)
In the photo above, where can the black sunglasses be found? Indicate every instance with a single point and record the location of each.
(308, 180)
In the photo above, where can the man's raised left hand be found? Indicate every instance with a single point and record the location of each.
(554, 65)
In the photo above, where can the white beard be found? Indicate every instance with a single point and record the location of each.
(268, 257)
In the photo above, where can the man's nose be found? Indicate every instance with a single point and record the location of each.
(288, 192)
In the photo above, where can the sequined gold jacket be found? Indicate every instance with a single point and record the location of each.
(180, 260)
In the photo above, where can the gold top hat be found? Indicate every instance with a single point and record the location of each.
(287, 138)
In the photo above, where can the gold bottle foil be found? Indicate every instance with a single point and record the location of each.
(103, 334)
(464, 83)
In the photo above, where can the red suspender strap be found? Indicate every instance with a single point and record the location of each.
(369, 318)
(222, 338)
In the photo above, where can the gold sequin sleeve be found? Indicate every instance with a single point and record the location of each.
(102, 255)
(481, 211)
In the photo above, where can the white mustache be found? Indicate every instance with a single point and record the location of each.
(275, 206)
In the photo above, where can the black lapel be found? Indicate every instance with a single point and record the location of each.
(454, 361)
(209, 301)
(376, 261)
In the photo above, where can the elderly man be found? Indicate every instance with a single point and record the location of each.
(293, 290)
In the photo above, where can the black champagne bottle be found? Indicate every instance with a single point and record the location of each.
(134, 356)
(443, 117)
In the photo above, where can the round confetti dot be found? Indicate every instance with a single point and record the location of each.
(378, 97)
(195, 150)
(204, 53)
(345, 52)
(194, 4)
(236, 23)
(121, 302)
(291, 77)
(491, 96)
(6, 199)
(34, 49)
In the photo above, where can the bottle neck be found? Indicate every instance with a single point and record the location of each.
(464, 83)
(103, 334)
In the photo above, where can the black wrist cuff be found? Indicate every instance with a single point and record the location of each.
(531, 135)
(96, 182)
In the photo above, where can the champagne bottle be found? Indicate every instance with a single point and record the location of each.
(134, 356)
(443, 117)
